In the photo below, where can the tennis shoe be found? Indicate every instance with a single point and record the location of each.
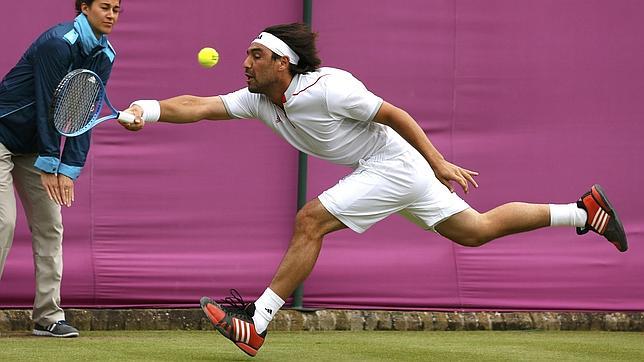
(235, 321)
(60, 329)
(602, 218)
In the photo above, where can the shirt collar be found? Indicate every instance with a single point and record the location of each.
(87, 37)
(292, 87)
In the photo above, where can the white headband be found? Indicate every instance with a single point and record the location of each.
(278, 46)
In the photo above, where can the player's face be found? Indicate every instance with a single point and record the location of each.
(260, 69)
(102, 15)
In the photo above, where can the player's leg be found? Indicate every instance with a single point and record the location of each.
(439, 209)
(7, 205)
(375, 190)
(312, 222)
(471, 228)
(46, 226)
(593, 212)
(245, 324)
(372, 192)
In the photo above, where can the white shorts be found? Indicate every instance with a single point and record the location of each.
(404, 184)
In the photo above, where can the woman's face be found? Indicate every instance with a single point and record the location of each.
(102, 15)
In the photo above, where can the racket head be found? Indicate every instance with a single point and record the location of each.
(77, 102)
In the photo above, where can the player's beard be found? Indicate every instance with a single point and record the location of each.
(254, 88)
(262, 86)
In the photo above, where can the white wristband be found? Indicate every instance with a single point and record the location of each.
(151, 109)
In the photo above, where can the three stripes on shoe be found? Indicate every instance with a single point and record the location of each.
(600, 221)
(242, 331)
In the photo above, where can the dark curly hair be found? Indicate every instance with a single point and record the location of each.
(88, 2)
(301, 39)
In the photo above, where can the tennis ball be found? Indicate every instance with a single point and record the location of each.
(208, 57)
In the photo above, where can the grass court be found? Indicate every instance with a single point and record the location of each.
(330, 346)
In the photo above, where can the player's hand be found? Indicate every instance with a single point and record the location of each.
(138, 120)
(60, 188)
(447, 172)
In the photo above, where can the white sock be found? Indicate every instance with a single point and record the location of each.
(265, 308)
(567, 215)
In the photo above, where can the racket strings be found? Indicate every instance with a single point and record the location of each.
(77, 102)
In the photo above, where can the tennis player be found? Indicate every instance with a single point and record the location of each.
(30, 157)
(330, 114)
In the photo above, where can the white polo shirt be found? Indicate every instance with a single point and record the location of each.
(328, 114)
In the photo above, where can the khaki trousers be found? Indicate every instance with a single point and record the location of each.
(46, 225)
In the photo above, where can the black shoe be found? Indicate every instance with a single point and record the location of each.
(59, 329)
(602, 218)
(235, 321)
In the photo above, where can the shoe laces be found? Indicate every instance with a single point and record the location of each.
(57, 323)
(235, 305)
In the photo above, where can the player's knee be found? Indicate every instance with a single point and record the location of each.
(479, 234)
(308, 222)
(473, 240)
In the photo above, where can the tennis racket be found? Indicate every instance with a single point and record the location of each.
(78, 101)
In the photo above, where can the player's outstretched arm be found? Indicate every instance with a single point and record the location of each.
(181, 109)
(407, 127)
(188, 109)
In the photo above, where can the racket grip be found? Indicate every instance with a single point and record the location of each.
(126, 117)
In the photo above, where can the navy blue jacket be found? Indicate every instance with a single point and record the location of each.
(26, 92)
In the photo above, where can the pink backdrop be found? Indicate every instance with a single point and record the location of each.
(543, 98)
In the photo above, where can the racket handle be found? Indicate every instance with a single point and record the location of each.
(126, 117)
